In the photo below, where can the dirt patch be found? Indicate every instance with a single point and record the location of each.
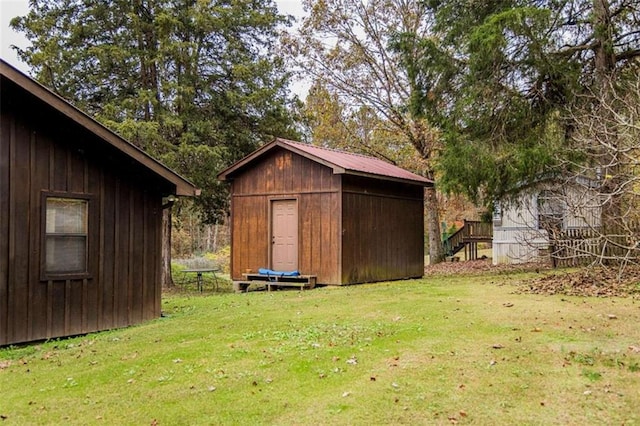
(588, 281)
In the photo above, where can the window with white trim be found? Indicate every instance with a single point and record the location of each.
(66, 235)
(552, 210)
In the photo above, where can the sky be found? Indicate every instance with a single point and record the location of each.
(11, 8)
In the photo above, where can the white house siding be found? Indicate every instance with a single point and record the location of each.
(516, 238)
(516, 234)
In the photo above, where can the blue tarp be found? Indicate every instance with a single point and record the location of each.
(270, 272)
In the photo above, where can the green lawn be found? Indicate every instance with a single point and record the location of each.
(436, 351)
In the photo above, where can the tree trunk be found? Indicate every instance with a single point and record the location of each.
(436, 250)
(167, 278)
(605, 133)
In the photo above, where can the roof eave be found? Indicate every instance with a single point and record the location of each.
(183, 186)
(425, 183)
(226, 174)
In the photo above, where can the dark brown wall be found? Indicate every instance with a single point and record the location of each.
(383, 230)
(352, 229)
(41, 151)
(282, 174)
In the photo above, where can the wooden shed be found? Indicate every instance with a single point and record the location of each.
(342, 217)
(80, 219)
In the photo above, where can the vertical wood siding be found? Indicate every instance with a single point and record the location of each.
(280, 175)
(124, 235)
(351, 229)
(383, 231)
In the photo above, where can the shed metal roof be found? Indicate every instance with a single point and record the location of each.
(339, 161)
(183, 186)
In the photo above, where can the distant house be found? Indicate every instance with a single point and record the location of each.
(524, 230)
(80, 219)
(343, 217)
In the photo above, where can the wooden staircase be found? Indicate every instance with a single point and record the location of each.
(468, 237)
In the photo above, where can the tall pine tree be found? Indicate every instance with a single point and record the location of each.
(197, 84)
(517, 69)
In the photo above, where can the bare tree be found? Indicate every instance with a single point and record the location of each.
(590, 211)
(346, 45)
(608, 133)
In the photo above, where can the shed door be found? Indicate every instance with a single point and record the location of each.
(284, 235)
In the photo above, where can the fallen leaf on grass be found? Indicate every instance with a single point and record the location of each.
(592, 282)
(5, 364)
(478, 266)
(635, 349)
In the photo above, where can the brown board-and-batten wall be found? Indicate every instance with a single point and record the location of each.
(316, 191)
(354, 226)
(48, 151)
(383, 224)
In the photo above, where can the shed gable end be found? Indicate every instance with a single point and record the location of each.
(284, 172)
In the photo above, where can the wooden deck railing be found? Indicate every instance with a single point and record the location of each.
(472, 231)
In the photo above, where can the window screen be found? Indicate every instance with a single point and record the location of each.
(66, 235)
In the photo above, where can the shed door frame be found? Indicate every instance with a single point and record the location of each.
(272, 237)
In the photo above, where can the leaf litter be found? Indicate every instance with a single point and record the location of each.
(590, 282)
(587, 282)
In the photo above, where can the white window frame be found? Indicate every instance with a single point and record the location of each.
(53, 231)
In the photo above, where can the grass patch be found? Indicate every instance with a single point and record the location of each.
(439, 350)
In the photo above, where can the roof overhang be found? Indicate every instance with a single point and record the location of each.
(228, 173)
(182, 185)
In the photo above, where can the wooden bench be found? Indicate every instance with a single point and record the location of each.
(274, 280)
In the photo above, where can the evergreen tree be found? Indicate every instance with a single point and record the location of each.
(517, 69)
(197, 84)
